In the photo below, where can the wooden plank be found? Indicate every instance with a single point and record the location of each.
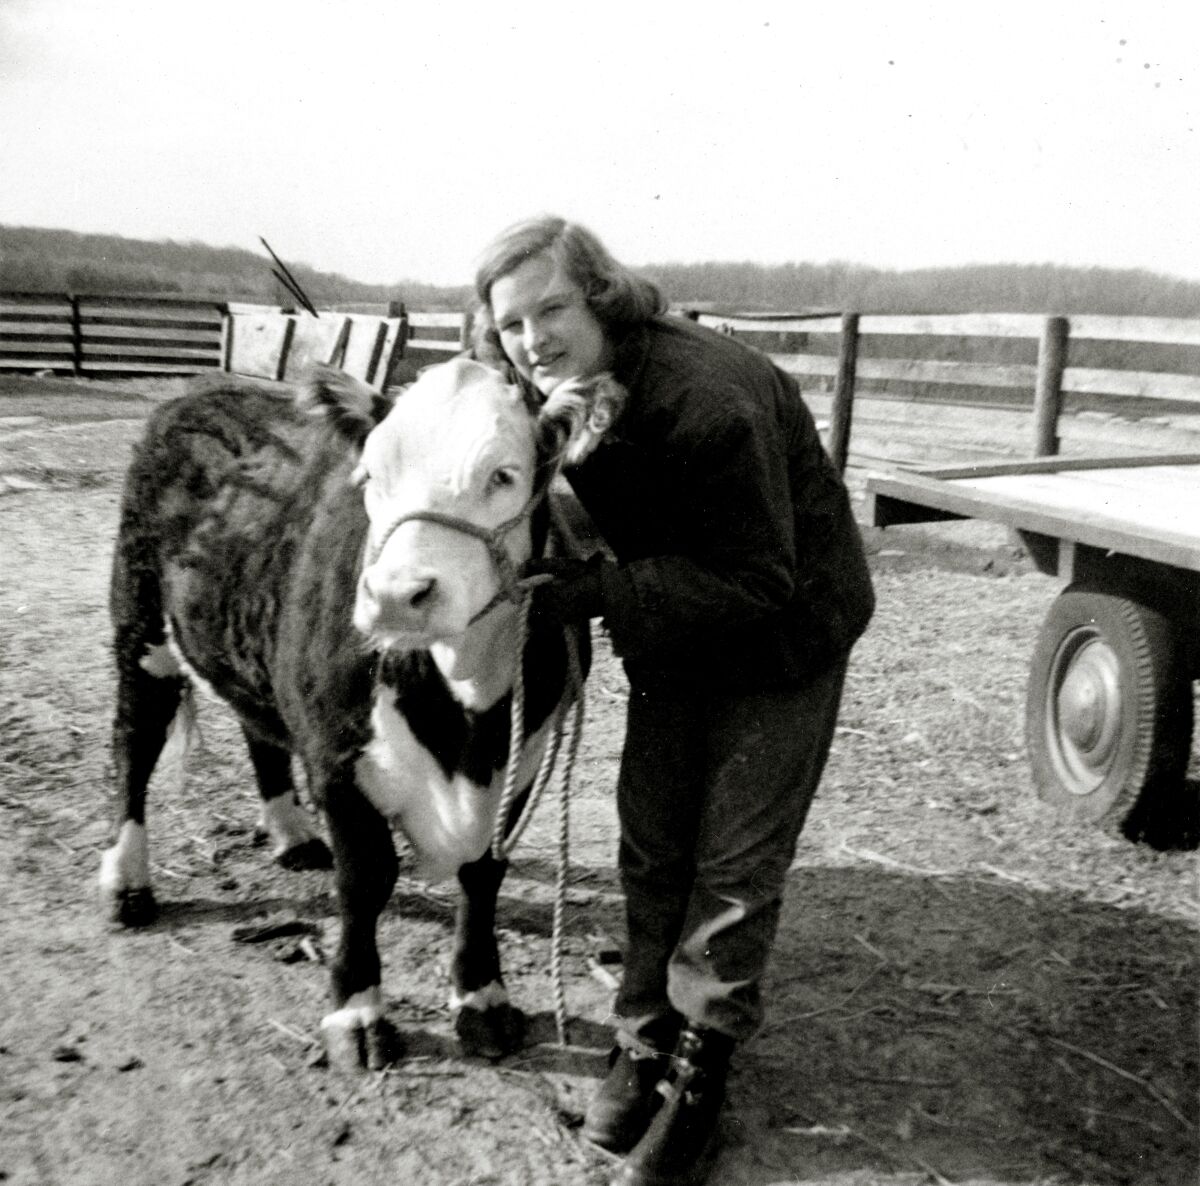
(33, 363)
(915, 370)
(1171, 331)
(1146, 384)
(818, 323)
(135, 333)
(806, 364)
(437, 319)
(34, 308)
(1109, 532)
(103, 315)
(152, 325)
(1172, 482)
(33, 316)
(159, 300)
(34, 329)
(316, 340)
(258, 340)
(147, 368)
(364, 346)
(1057, 465)
(978, 325)
(1180, 331)
(393, 351)
(965, 374)
(41, 346)
(437, 345)
(93, 350)
(1087, 499)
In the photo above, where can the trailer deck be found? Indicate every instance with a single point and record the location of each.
(1145, 506)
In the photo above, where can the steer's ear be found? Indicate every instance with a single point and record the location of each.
(575, 417)
(348, 404)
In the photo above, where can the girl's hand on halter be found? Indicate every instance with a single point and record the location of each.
(575, 590)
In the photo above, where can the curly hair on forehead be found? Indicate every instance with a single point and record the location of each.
(617, 297)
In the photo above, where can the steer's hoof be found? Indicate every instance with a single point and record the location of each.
(309, 854)
(490, 1033)
(134, 907)
(357, 1048)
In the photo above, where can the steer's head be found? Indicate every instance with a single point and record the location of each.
(459, 443)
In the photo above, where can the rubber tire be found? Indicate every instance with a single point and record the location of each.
(1117, 745)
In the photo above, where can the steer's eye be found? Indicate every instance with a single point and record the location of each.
(502, 479)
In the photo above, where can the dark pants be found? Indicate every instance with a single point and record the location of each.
(712, 794)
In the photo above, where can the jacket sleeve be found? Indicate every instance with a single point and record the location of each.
(737, 559)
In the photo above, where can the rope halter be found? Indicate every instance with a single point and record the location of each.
(512, 587)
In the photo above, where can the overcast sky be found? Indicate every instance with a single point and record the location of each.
(391, 140)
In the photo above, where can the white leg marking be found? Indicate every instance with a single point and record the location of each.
(361, 1010)
(487, 997)
(126, 865)
(287, 824)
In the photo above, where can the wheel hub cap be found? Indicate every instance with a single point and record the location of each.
(1087, 712)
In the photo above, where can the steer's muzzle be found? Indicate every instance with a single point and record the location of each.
(391, 608)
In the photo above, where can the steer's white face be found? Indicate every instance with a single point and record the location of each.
(458, 442)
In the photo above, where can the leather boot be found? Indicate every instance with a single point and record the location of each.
(680, 1146)
(622, 1107)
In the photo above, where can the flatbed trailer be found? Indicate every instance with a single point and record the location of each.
(1109, 705)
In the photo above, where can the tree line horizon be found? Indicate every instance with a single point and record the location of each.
(49, 260)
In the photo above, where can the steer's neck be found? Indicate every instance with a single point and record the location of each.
(481, 666)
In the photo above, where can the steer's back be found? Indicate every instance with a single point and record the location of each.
(228, 499)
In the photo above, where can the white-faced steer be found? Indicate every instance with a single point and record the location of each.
(342, 585)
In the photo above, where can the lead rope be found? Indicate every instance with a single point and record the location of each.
(502, 843)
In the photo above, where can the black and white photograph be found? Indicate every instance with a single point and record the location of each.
(599, 595)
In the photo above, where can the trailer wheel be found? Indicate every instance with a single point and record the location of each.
(1108, 720)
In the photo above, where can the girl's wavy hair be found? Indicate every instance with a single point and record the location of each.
(619, 299)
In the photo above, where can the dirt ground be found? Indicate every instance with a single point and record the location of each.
(964, 990)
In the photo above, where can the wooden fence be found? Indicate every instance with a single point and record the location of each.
(1003, 363)
(1000, 364)
(94, 334)
(98, 335)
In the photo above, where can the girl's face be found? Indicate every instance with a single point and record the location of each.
(546, 328)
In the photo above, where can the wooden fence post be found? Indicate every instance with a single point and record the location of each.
(289, 332)
(76, 336)
(1047, 394)
(843, 392)
(226, 338)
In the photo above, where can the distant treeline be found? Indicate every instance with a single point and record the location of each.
(998, 288)
(37, 260)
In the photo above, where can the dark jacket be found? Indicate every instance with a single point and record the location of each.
(740, 565)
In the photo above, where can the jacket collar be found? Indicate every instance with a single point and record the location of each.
(631, 353)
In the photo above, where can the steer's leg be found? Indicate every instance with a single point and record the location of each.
(486, 1023)
(365, 868)
(149, 691)
(295, 842)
